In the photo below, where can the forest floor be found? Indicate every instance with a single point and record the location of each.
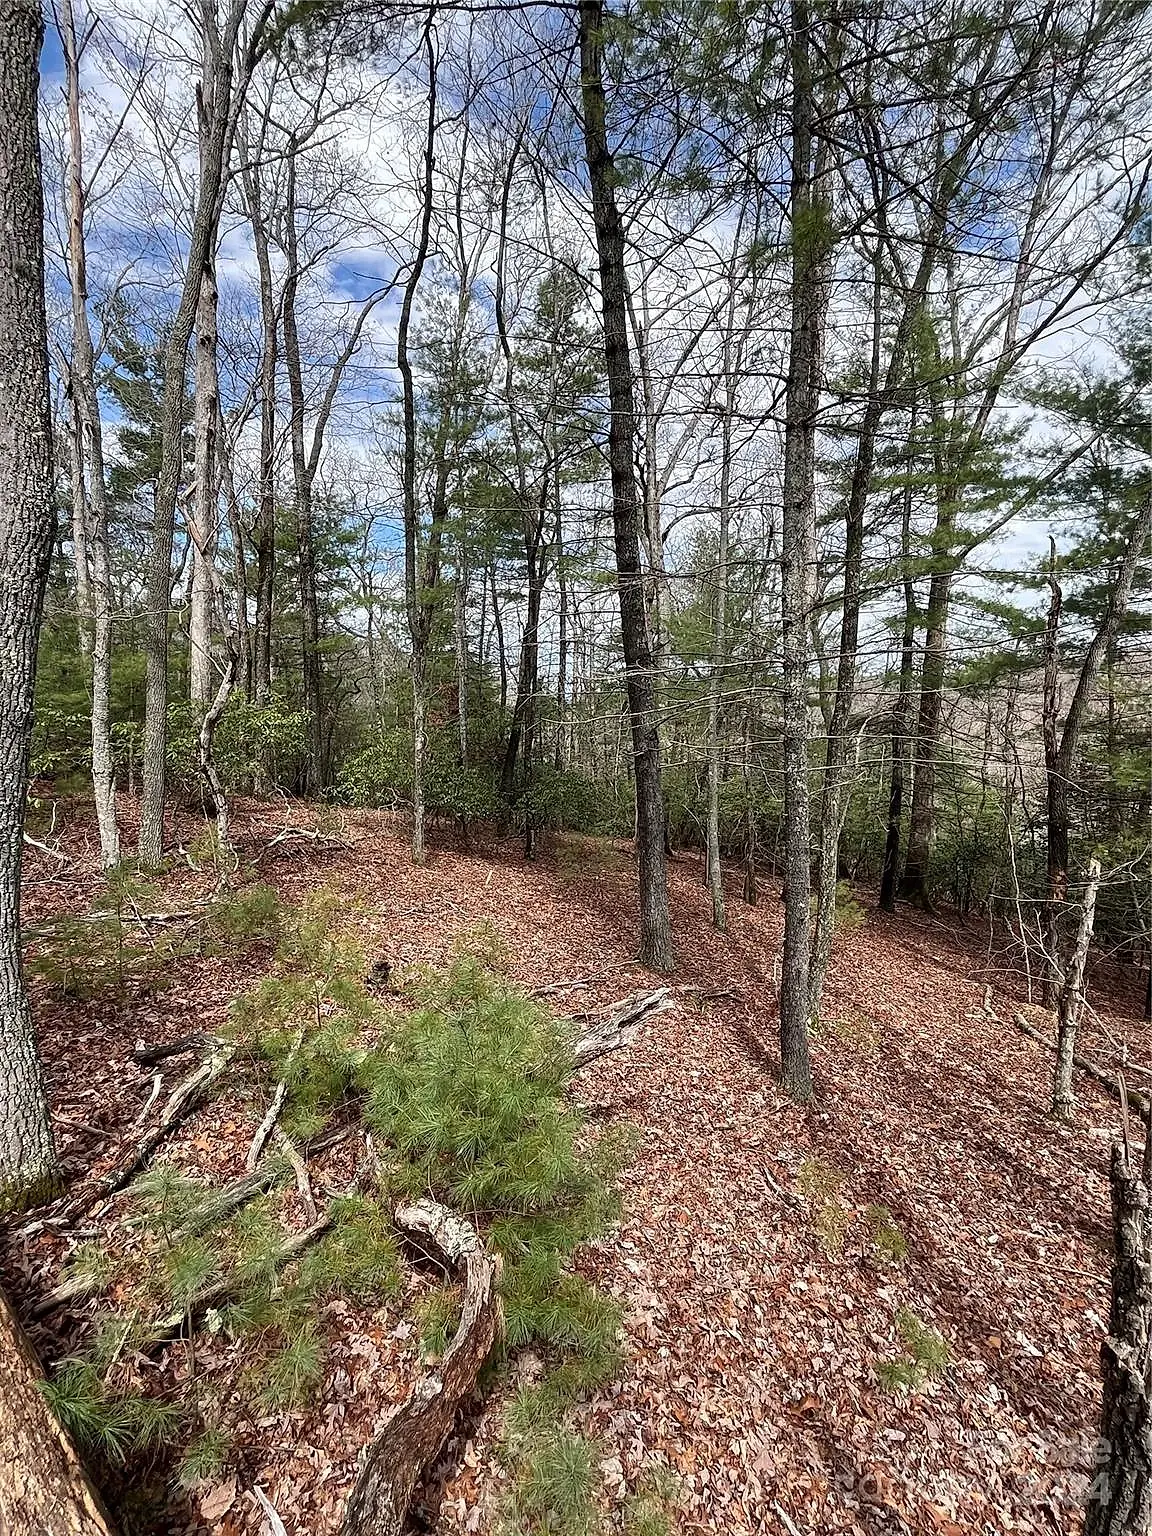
(761, 1282)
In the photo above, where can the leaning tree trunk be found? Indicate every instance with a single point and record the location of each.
(1120, 1496)
(43, 1485)
(655, 928)
(27, 527)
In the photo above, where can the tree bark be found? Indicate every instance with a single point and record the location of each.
(655, 927)
(43, 1484)
(1120, 1496)
(810, 276)
(27, 530)
(91, 491)
(1072, 1002)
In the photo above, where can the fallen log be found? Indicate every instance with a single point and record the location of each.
(43, 1484)
(619, 1026)
(414, 1432)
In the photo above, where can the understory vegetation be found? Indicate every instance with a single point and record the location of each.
(457, 1086)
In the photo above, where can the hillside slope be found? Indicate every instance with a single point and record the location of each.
(782, 1273)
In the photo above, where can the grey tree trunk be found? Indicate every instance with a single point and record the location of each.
(417, 592)
(27, 529)
(1072, 1001)
(90, 484)
(265, 535)
(207, 413)
(716, 669)
(810, 277)
(655, 927)
(218, 104)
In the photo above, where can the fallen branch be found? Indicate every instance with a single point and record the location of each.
(53, 853)
(414, 1432)
(151, 1055)
(1097, 1074)
(788, 1196)
(264, 1129)
(299, 1168)
(266, 1504)
(620, 1026)
(181, 1102)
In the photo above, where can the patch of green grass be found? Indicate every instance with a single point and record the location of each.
(821, 1184)
(926, 1355)
(888, 1242)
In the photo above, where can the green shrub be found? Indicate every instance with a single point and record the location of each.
(255, 744)
(253, 912)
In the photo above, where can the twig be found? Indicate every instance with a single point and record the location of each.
(53, 853)
(267, 1506)
(264, 1129)
(299, 1167)
(785, 1518)
(148, 1103)
(787, 1195)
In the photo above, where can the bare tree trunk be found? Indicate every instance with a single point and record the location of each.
(810, 272)
(1120, 1496)
(1072, 1001)
(27, 530)
(217, 104)
(655, 928)
(96, 604)
(914, 882)
(716, 670)
(901, 714)
(1060, 750)
(417, 596)
(265, 537)
(207, 414)
(302, 486)
(461, 638)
